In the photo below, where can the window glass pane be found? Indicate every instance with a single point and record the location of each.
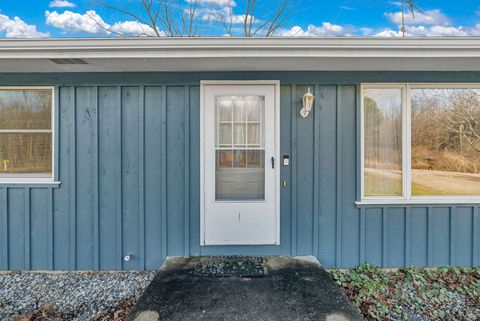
(224, 108)
(25, 109)
(383, 142)
(224, 158)
(25, 153)
(253, 112)
(254, 135)
(239, 172)
(445, 142)
(239, 109)
(255, 158)
(245, 180)
(239, 138)
(225, 135)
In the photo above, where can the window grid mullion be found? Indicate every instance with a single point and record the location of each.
(408, 143)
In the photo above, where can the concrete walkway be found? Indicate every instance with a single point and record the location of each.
(243, 289)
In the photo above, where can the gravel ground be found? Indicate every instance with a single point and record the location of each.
(76, 295)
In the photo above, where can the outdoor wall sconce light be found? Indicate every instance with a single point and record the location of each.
(308, 99)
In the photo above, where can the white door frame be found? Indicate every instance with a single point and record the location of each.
(276, 84)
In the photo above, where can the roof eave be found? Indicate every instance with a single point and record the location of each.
(238, 47)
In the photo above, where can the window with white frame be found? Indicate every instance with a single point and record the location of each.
(26, 134)
(421, 142)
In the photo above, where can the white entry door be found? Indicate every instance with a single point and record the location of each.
(240, 163)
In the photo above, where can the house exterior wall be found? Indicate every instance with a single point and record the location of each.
(128, 161)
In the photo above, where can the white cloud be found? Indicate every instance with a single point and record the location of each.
(441, 31)
(430, 23)
(61, 4)
(475, 30)
(17, 28)
(426, 18)
(222, 14)
(325, 30)
(388, 33)
(347, 8)
(133, 28)
(92, 23)
(221, 3)
(89, 22)
(238, 18)
(423, 31)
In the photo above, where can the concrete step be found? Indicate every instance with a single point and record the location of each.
(236, 288)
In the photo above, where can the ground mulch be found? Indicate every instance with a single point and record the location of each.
(50, 312)
(413, 294)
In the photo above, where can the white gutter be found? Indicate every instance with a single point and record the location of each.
(240, 47)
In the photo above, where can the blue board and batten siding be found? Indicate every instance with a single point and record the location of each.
(128, 161)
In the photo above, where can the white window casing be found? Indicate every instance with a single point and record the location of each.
(34, 178)
(407, 197)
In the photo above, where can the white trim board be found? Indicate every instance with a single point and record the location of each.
(237, 54)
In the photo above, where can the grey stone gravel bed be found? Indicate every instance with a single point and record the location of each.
(79, 295)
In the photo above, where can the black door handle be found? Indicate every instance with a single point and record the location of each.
(273, 162)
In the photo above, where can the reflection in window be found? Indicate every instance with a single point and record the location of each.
(25, 133)
(383, 142)
(445, 142)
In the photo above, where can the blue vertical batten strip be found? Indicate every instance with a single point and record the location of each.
(452, 235)
(408, 236)
(118, 184)
(56, 176)
(50, 229)
(96, 222)
(4, 211)
(316, 174)
(164, 171)
(476, 237)
(429, 236)
(27, 232)
(141, 178)
(294, 172)
(384, 236)
(362, 236)
(73, 193)
(186, 204)
(338, 181)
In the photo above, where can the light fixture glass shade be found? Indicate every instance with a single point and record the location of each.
(308, 100)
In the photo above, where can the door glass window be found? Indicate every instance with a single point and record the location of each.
(239, 148)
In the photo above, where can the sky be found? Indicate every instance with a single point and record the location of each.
(316, 18)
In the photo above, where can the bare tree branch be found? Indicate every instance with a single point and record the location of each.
(172, 19)
(412, 7)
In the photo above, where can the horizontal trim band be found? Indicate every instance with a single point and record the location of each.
(225, 47)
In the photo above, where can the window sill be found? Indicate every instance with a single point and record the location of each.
(34, 184)
(418, 201)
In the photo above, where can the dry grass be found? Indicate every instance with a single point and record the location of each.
(449, 161)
